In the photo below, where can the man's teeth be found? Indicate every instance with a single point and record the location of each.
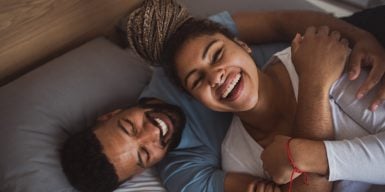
(231, 85)
(162, 125)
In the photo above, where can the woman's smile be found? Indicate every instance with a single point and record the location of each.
(231, 88)
(219, 72)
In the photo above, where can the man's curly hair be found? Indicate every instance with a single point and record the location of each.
(85, 165)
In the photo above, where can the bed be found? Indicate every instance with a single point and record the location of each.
(63, 63)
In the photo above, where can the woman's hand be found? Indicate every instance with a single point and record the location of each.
(276, 162)
(263, 186)
(366, 52)
(307, 155)
(319, 56)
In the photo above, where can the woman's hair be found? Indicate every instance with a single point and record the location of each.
(159, 28)
(150, 25)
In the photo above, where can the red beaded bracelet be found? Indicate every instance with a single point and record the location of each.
(295, 168)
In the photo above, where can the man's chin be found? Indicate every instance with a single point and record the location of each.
(176, 138)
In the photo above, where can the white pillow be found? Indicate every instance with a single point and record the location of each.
(41, 109)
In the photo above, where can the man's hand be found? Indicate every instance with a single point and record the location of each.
(368, 52)
(319, 56)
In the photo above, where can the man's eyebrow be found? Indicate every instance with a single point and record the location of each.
(122, 127)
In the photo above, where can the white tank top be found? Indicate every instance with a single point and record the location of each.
(241, 153)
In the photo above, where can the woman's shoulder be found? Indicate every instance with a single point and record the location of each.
(278, 58)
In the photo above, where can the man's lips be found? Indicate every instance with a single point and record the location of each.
(164, 124)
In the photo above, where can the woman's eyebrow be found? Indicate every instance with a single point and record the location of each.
(206, 50)
(208, 47)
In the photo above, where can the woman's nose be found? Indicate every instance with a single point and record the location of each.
(216, 77)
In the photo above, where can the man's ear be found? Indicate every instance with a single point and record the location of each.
(243, 45)
(109, 115)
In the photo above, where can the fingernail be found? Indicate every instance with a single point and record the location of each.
(360, 96)
(351, 75)
(374, 108)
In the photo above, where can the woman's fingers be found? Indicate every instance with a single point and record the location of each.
(310, 32)
(263, 186)
(336, 35)
(296, 43)
(323, 31)
(345, 42)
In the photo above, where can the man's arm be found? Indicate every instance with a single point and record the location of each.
(270, 26)
(359, 159)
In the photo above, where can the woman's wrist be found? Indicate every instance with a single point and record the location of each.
(309, 156)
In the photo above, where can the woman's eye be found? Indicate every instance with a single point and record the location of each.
(217, 55)
(196, 82)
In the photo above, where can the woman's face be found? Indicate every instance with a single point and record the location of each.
(219, 72)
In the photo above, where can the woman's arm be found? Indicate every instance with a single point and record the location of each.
(316, 75)
(268, 26)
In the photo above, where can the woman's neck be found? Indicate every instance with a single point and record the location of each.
(276, 102)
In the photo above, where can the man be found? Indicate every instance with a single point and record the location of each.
(122, 144)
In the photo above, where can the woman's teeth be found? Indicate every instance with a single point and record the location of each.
(231, 86)
(162, 125)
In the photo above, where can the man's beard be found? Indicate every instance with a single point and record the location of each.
(173, 112)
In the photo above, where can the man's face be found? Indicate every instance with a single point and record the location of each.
(139, 137)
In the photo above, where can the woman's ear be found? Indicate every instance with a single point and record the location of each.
(109, 115)
(243, 45)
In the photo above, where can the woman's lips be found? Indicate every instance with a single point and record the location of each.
(232, 87)
(236, 91)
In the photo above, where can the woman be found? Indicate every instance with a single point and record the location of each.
(217, 70)
(154, 45)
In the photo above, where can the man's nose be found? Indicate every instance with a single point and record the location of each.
(150, 133)
(215, 77)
